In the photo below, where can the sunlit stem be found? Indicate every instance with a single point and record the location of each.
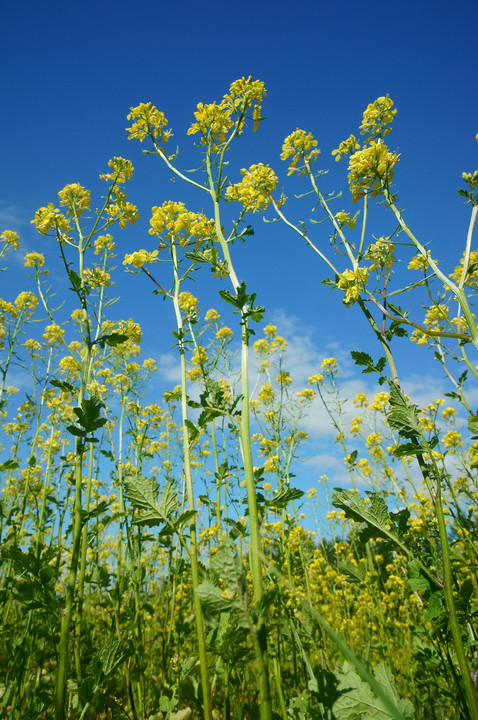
(190, 494)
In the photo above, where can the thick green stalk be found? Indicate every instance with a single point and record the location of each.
(246, 448)
(191, 504)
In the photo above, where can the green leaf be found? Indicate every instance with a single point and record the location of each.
(142, 493)
(403, 416)
(212, 598)
(112, 340)
(282, 498)
(358, 701)
(473, 424)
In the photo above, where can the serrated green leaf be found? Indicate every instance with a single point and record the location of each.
(282, 498)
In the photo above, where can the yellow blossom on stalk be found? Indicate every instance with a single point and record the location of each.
(271, 464)
(50, 218)
(270, 331)
(244, 94)
(472, 270)
(344, 219)
(54, 334)
(452, 440)
(104, 242)
(448, 413)
(435, 320)
(188, 303)
(122, 170)
(356, 425)
(316, 379)
(214, 121)
(473, 453)
(329, 365)
(261, 346)
(425, 423)
(418, 262)
(11, 238)
(97, 277)
(148, 120)
(225, 334)
(379, 401)
(460, 323)
(370, 169)
(360, 400)
(302, 147)
(306, 394)
(363, 466)
(140, 257)
(212, 316)
(76, 198)
(283, 378)
(199, 357)
(254, 190)
(150, 365)
(381, 254)
(121, 210)
(194, 374)
(266, 393)
(377, 115)
(34, 259)
(347, 147)
(311, 493)
(173, 221)
(279, 343)
(26, 301)
(353, 282)
(373, 439)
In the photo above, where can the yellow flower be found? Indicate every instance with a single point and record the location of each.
(188, 303)
(353, 282)
(224, 334)
(316, 379)
(76, 198)
(381, 254)
(284, 378)
(347, 147)
(11, 238)
(344, 219)
(54, 334)
(329, 365)
(452, 440)
(140, 257)
(148, 120)
(448, 414)
(306, 394)
(360, 400)
(254, 190)
(34, 259)
(212, 316)
(266, 393)
(370, 169)
(377, 115)
(47, 218)
(303, 147)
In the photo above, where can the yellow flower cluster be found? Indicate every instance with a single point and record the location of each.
(346, 147)
(54, 334)
(471, 270)
(254, 190)
(316, 379)
(50, 218)
(122, 170)
(381, 254)
(370, 169)
(140, 257)
(344, 219)
(188, 303)
(435, 320)
(266, 393)
(76, 198)
(302, 147)
(353, 282)
(225, 334)
(148, 121)
(104, 242)
(97, 277)
(214, 121)
(10, 238)
(34, 259)
(173, 221)
(211, 316)
(377, 115)
(329, 365)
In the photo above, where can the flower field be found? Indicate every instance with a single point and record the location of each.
(160, 556)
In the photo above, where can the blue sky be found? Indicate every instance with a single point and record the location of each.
(71, 71)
